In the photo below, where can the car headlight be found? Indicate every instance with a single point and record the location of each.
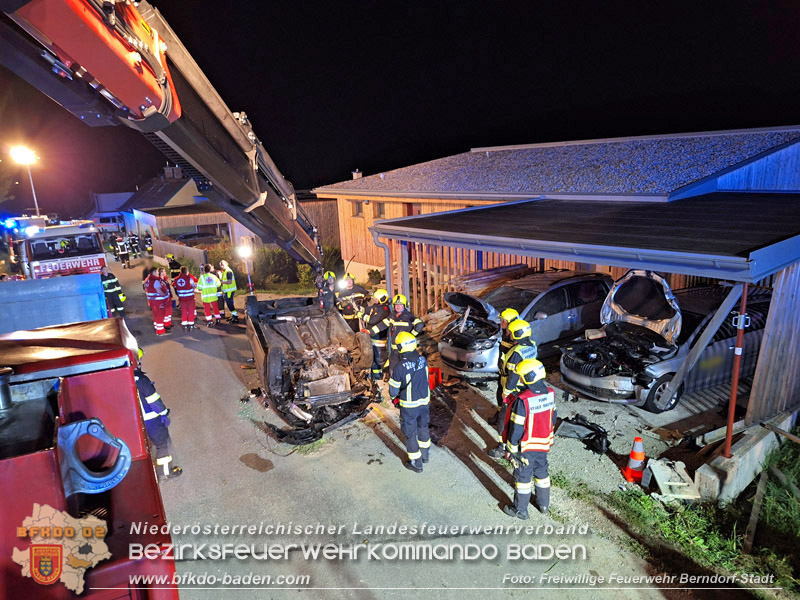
(481, 345)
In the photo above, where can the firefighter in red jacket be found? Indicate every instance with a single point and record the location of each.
(528, 435)
(185, 284)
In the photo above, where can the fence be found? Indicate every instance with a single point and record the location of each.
(162, 248)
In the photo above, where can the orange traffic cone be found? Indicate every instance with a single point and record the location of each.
(633, 472)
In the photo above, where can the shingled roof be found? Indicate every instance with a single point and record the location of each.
(639, 166)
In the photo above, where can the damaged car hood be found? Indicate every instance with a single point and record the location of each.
(643, 298)
(459, 301)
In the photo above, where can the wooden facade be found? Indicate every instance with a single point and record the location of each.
(324, 213)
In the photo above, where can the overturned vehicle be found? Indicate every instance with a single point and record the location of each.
(647, 334)
(314, 370)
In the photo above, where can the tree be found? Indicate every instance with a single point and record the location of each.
(8, 175)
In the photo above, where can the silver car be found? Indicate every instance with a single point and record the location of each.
(647, 334)
(558, 305)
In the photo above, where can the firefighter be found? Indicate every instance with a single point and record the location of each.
(133, 246)
(156, 421)
(148, 244)
(408, 388)
(506, 343)
(228, 290)
(400, 320)
(174, 266)
(327, 291)
(349, 299)
(123, 253)
(207, 285)
(524, 348)
(113, 292)
(377, 312)
(158, 297)
(528, 436)
(185, 284)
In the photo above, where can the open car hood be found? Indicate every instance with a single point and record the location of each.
(643, 298)
(459, 302)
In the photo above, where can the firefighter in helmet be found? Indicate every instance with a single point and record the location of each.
(376, 313)
(349, 299)
(524, 348)
(327, 291)
(399, 321)
(408, 388)
(528, 437)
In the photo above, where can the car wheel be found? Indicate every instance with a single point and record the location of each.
(656, 402)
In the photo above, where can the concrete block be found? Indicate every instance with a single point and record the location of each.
(672, 480)
(723, 479)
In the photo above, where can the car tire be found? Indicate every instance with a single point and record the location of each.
(654, 402)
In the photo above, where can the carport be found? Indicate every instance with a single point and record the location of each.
(745, 238)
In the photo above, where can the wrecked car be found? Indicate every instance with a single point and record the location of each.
(557, 304)
(647, 333)
(314, 370)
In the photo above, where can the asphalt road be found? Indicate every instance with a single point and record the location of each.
(235, 474)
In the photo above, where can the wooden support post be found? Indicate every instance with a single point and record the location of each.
(751, 526)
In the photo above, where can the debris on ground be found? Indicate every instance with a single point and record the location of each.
(594, 437)
(672, 480)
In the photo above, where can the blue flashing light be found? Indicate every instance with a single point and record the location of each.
(9, 223)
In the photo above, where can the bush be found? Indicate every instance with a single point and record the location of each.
(332, 260)
(305, 275)
(374, 276)
(189, 264)
(275, 264)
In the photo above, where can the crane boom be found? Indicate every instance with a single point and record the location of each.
(111, 62)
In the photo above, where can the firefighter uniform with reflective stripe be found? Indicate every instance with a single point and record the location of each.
(154, 415)
(395, 324)
(184, 285)
(528, 435)
(409, 385)
(509, 380)
(349, 301)
(114, 296)
(207, 286)
(377, 313)
(174, 268)
(229, 289)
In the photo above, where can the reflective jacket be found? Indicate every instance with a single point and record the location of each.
(208, 284)
(522, 351)
(161, 289)
(529, 424)
(228, 282)
(149, 400)
(506, 344)
(184, 285)
(150, 289)
(406, 321)
(377, 313)
(122, 247)
(111, 285)
(174, 268)
(348, 301)
(409, 380)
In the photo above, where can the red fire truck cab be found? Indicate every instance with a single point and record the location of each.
(75, 248)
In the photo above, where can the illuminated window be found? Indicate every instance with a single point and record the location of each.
(379, 210)
(358, 208)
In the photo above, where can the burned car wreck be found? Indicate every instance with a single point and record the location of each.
(647, 334)
(314, 370)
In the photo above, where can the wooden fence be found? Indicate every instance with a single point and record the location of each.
(162, 248)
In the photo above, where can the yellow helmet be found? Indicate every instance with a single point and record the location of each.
(405, 342)
(530, 371)
(509, 315)
(381, 295)
(348, 276)
(519, 329)
(170, 256)
(329, 275)
(400, 299)
(140, 353)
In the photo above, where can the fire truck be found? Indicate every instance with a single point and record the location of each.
(70, 249)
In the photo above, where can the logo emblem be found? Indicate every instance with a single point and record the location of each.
(46, 563)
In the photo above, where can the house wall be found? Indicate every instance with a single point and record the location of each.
(325, 215)
(779, 171)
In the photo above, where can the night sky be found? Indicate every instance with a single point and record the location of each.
(334, 86)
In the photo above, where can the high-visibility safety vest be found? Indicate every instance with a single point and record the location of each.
(529, 423)
(184, 286)
(409, 381)
(150, 288)
(110, 284)
(208, 284)
(510, 361)
(161, 290)
(228, 281)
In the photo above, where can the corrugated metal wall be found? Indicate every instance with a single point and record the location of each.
(776, 383)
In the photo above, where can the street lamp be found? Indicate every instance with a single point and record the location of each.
(26, 156)
(244, 253)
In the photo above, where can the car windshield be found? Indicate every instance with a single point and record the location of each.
(68, 245)
(510, 297)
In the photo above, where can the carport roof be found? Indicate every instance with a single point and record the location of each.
(738, 236)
